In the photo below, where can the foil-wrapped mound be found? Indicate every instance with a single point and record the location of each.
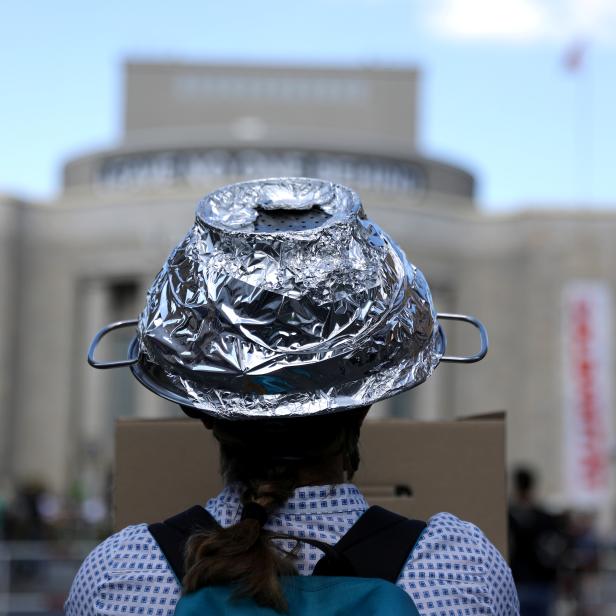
(284, 300)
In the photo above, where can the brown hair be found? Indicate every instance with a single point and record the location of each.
(270, 459)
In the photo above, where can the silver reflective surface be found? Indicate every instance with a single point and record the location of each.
(284, 299)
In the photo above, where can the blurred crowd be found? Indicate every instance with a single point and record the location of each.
(34, 513)
(43, 540)
(558, 561)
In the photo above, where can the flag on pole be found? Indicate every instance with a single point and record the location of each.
(573, 58)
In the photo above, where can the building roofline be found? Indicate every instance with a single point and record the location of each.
(375, 69)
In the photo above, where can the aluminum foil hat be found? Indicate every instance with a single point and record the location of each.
(284, 300)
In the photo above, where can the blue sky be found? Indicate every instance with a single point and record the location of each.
(495, 96)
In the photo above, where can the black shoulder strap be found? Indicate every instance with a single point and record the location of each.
(377, 546)
(172, 534)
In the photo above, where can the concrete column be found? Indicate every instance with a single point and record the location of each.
(430, 398)
(95, 447)
(10, 231)
(45, 385)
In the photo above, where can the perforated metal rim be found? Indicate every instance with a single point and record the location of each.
(350, 207)
(286, 220)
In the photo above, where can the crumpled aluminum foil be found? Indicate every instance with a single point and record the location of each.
(284, 300)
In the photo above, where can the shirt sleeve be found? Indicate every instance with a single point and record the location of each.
(127, 573)
(454, 568)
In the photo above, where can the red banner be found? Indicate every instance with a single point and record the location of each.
(587, 355)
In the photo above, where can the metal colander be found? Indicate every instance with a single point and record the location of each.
(284, 300)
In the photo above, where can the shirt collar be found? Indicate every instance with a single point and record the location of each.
(305, 500)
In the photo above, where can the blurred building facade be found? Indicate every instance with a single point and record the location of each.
(70, 266)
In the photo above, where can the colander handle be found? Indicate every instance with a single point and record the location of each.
(483, 334)
(102, 365)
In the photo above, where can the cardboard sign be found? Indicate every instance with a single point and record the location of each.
(414, 468)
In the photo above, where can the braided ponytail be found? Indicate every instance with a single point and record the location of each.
(243, 554)
(267, 458)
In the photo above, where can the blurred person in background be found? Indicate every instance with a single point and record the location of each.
(581, 566)
(25, 516)
(537, 547)
(4, 506)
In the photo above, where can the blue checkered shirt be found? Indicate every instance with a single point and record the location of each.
(453, 571)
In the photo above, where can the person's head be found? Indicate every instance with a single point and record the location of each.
(269, 459)
(524, 483)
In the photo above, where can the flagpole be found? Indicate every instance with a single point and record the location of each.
(585, 134)
(575, 62)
